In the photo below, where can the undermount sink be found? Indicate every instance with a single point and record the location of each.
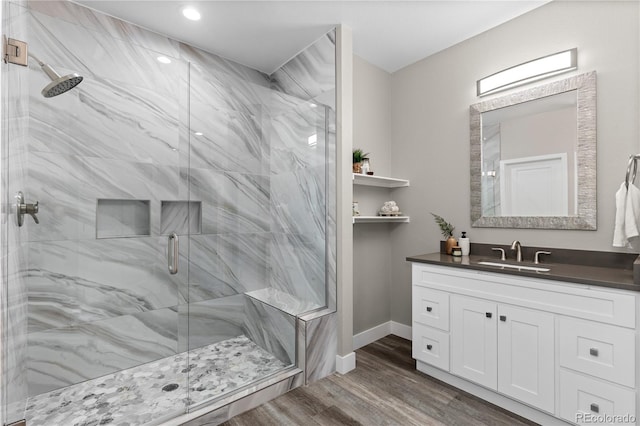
(512, 266)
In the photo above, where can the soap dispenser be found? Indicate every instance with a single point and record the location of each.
(464, 244)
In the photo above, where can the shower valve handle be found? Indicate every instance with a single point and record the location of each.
(23, 208)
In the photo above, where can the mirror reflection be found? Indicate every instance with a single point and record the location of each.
(529, 156)
(533, 157)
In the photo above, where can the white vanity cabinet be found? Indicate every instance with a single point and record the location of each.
(504, 348)
(544, 349)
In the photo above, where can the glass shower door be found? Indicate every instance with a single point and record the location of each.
(95, 288)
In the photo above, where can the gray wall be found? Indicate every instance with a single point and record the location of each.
(430, 124)
(371, 248)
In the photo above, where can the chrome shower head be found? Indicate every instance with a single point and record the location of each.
(58, 84)
(61, 85)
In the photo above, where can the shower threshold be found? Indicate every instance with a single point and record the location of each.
(146, 393)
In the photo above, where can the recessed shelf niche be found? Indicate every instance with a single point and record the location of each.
(117, 218)
(181, 217)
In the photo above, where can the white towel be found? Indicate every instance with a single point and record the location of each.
(627, 215)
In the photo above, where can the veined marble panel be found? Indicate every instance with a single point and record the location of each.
(208, 187)
(271, 329)
(297, 265)
(231, 202)
(245, 257)
(71, 282)
(298, 202)
(63, 44)
(297, 139)
(216, 65)
(227, 264)
(210, 321)
(105, 119)
(283, 301)
(65, 356)
(106, 24)
(322, 347)
(68, 187)
(280, 103)
(311, 72)
(224, 92)
(206, 270)
(243, 205)
(229, 141)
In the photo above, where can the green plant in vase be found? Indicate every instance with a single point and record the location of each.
(447, 232)
(358, 155)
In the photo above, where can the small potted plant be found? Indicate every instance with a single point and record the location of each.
(358, 155)
(447, 232)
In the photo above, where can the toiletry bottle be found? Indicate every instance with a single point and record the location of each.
(464, 244)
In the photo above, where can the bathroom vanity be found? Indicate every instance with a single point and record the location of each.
(555, 346)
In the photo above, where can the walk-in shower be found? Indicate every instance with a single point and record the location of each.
(104, 320)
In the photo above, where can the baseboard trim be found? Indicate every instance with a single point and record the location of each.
(346, 363)
(401, 330)
(380, 331)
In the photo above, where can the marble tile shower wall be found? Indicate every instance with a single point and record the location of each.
(101, 305)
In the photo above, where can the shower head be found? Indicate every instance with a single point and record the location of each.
(59, 84)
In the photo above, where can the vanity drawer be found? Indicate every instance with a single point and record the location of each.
(430, 346)
(583, 398)
(592, 303)
(604, 351)
(431, 307)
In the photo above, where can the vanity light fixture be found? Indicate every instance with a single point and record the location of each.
(191, 13)
(528, 72)
(163, 60)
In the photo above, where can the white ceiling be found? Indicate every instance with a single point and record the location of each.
(266, 34)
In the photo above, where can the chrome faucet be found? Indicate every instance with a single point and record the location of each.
(518, 248)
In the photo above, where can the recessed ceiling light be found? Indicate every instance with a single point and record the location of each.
(312, 105)
(163, 60)
(198, 133)
(191, 13)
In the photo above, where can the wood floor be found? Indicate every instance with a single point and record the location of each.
(384, 389)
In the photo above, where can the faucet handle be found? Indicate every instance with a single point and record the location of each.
(503, 256)
(536, 258)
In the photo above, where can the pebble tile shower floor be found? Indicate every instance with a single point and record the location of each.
(136, 397)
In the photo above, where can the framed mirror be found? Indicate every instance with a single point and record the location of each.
(533, 157)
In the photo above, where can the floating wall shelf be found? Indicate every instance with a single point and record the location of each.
(379, 181)
(378, 219)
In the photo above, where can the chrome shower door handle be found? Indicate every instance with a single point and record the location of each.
(173, 253)
(23, 208)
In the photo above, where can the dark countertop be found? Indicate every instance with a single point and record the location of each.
(614, 277)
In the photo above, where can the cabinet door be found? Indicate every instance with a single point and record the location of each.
(526, 356)
(473, 340)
